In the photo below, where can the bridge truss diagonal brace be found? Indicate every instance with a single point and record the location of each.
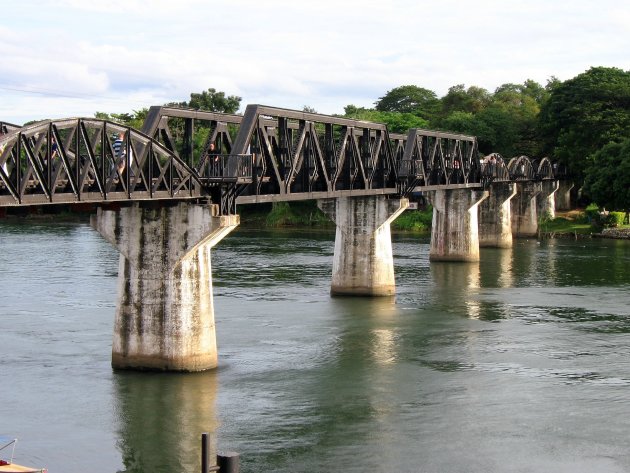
(363, 263)
(455, 232)
(495, 216)
(165, 313)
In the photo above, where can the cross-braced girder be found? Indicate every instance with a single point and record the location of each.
(267, 154)
(312, 155)
(433, 158)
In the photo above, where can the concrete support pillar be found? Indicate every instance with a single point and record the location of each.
(524, 209)
(454, 233)
(495, 216)
(546, 200)
(563, 195)
(363, 263)
(164, 315)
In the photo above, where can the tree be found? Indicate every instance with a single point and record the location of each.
(396, 122)
(410, 99)
(584, 114)
(458, 99)
(607, 179)
(212, 101)
(134, 119)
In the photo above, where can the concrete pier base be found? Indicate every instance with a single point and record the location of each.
(563, 195)
(454, 233)
(363, 263)
(546, 200)
(495, 216)
(164, 315)
(525, 210)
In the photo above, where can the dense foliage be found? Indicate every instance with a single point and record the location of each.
(607, 179)
(586, 113)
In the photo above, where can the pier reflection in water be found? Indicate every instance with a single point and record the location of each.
(161, 417)
(517, 363)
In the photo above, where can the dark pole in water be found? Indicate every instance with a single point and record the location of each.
(228, 462)
(205, 453)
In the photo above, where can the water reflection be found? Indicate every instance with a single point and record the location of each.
(161, 418)
(380, 319)
(506, 275)
(457, 287)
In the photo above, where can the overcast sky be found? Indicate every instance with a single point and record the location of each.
(68, 58)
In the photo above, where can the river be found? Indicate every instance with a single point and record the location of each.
(520, 363)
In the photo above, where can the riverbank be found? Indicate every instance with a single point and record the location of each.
(577, 224)
(573, 224)
(307, 214)
(616, 233)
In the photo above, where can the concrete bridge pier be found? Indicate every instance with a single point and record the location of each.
(164, 315)
(524, 209)
(495, 216)
(363, 263)
(563, 195)
(546, 200)
(454, 232)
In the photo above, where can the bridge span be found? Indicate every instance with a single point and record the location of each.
(166, 194)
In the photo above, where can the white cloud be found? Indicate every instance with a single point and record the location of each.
(71, 57)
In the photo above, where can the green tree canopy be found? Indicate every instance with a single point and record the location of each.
(409, 99)
(607, 179)
(459, 99)
(212, 101)
(584, 114)
(504, 122)
(134, 119)
(396, 122)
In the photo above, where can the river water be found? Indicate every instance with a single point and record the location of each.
(520, 363)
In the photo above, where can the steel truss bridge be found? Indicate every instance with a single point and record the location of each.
(267, 154)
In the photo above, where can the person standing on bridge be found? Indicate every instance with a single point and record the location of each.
(122, 158)
(214, 160)
(119, 155)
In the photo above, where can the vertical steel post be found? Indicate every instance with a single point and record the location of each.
(205, 452)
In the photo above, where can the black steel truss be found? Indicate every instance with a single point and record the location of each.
(522, 168)
(312, 155)
(6, 128)
(78, 160)
(434, 158)
(267, 154)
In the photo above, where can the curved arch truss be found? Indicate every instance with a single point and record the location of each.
(80, 160)
(6, 127)
(494, 169)
(523, 168)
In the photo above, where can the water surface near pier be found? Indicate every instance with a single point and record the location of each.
(520, 363)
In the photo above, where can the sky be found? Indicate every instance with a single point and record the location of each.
(72, 58)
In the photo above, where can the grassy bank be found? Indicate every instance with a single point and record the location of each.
(580, 222)
(307, 214)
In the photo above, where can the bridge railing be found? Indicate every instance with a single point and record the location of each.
(227, 168)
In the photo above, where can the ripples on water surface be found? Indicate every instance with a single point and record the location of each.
(520, 363)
